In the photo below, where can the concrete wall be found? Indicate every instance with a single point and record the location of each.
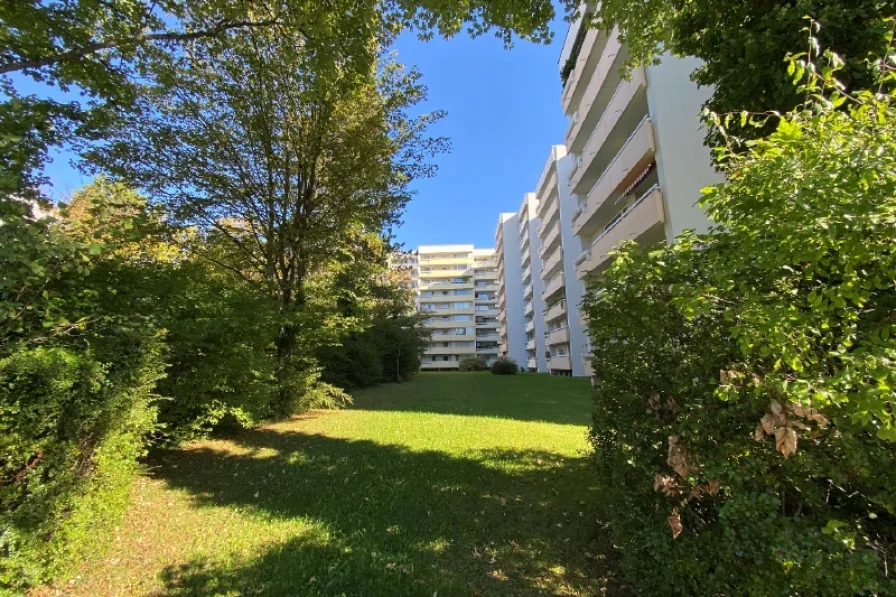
(683, 162)
(578, 340)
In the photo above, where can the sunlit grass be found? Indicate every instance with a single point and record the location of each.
(452, 484)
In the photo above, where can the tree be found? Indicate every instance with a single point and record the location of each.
(743, 44)
(280, 155)
(744, 421)
(102, 49)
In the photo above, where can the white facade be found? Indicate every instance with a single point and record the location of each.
(564, 336)
(456, 287)
(510, 288)
(533, 286)
(637, 159)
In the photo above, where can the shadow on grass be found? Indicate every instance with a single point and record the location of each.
(395, 522)
(522, 397)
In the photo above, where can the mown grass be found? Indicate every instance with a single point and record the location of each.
(452, 484)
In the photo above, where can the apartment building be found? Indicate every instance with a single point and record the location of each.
(510, 288)
(564, 335)
(533, 305)
(637, 159)
(456, 287)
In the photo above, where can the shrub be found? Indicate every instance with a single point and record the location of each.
(76, 397)
(744, 422)
(472, 363)
(504, 366)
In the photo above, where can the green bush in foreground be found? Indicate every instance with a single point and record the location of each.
(473, 363)
(504, 366)
(744, 422)
(76, 392)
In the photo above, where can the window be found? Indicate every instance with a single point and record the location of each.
(446, 358)
(461, 305)
(482, 307)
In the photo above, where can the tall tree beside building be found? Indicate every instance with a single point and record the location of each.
(281, 152)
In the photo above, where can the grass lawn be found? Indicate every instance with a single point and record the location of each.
(451, 484)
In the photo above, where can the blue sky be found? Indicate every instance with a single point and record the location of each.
(503, 115)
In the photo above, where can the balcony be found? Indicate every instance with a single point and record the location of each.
(446, 260)
(642, 222)
(502, 316)
(490, 312)
(530, 345)
(532, 364)
(573, 83)
(454, 311)
(526, 256)
(501, 300)
(604, 140)
(448, 285)
(438, 324)
(527, 291)
(527, 272)
(553, 287)
(553, 208)
(550, 266)
(447, 273)
(451, 350)
(558, 336)
(488, 350)
(637, 153)
(440, 365)
(446, 299)
(549, 239)
(452, 337)
(530, 326)
(528, 310)
(547, 191)
(604, 80)
(488, 337)
(556, 311)
(559, 363)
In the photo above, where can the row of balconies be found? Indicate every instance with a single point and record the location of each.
(553, 207)
(646, 215)
(597, 140)
(604, 80)
(637, 153)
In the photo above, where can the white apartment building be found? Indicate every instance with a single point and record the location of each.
(636, 148)
(533, 304)
(510, 288)
(564, 335)
(456, 287)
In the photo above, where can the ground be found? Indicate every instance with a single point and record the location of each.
(451, 484)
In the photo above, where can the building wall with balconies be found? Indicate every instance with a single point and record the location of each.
(510, 300)
(456, 286)
(533, 305)
(638, 159)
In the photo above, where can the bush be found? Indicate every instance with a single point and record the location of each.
(744, 422)
(76, 397)
(472, 363)
(504, 366)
